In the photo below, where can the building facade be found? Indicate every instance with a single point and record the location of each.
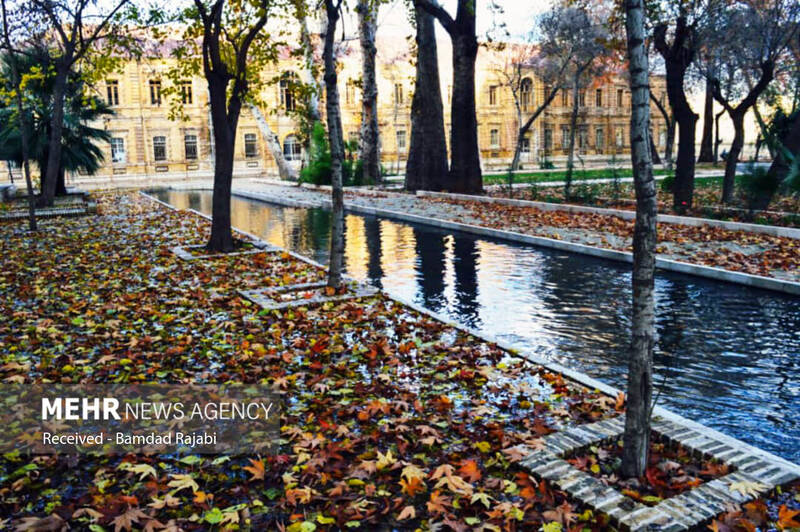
(147, 143)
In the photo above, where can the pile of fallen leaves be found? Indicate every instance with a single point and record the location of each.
(390, 418)
(783, 210)
(671, 470)
(757, 254)
(780, 510)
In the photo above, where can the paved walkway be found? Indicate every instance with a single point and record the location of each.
(739, 251)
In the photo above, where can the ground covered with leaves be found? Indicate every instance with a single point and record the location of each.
(784, 209)
(391, 420)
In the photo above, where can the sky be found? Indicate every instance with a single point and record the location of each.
(518, 16)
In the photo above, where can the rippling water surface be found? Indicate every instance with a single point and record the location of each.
(727, 356)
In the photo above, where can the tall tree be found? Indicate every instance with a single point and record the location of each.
(12, 58)
(670, 123)
(369, 139)
(230, 39)
(707, 138)
(465, 164)
(764, 30)
(575, 35)
(78, 26)
(426, 168)
(336, 139)
(640, 367)
(678, 56)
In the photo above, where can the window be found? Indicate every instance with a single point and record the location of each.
(525, 92)
(287, 85)
(598, 98)
(620, 136)
(155, 92)
(583, 137)
(619, 97)
(117, 150)
(350, 93)
(190, 144)
(662, 137)
(599, 138)
(548, 139)
(160, 148)
(564, 98)
(526, 145)
(493, 95)
(250, 148)
(565, 137)
(292, 150)
(398, 94)
(186, 92)
(112, 92)
(494, 139)
(401, 141)
(582, 98)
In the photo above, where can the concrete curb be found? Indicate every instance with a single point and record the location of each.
(772, 230)
(576, 376)
(717, 274)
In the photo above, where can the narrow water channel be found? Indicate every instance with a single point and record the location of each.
(727, 356)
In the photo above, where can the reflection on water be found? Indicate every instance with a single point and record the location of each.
(727, 356)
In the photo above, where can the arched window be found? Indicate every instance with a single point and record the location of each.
(292, 150)
(288, 83)
(526, 92)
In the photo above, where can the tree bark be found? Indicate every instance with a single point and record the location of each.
(426, 168)
(677, 57)
(284, 170)
(670, 140)
(707, 140)
(224, 122)
(640, 388)
(717, 140)
(654, 151)
(369, 140)
(49, 180)
(336, 139)
(465, 164)
(573, 124)
(729, 181)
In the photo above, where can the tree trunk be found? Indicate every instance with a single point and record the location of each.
(729, 181)
(684, 169)
(22, 123)
(707, 140)
(670, 148)
(369, 140)
(308, 71)
(465, 163)
(61, 182)
(426, 168)
(524, 128)
(224, 123)
(573, 124)
(717, 140)
(284, 170)
(336, 140)
(50, 178)
(677, 57)
(640, 387)
(654, 151)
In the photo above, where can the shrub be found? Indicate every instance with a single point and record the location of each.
(318, 170)
(758, 187)
(668, 183)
